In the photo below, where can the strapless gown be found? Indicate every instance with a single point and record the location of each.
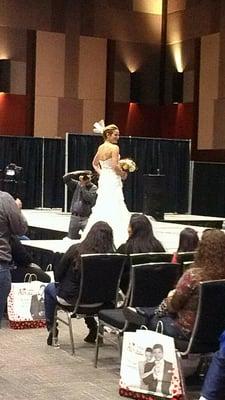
(110, 206)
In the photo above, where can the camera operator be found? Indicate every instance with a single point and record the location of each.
(84, 198)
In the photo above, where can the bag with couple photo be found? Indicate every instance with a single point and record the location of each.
(149, 367)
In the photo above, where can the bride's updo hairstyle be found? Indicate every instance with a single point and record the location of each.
(109, 129)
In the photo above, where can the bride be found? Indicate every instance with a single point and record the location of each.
(110, 206)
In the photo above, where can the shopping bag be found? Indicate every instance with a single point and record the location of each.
(25, 304)
(49, 271)
(149, 368)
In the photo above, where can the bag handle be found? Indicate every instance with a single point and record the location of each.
(49, 268)
(159, 327)
(30, 277)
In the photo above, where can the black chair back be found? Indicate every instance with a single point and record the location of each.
(151, 282)
(100, 278)
(186, 256)
(210, 318)
(142, 258)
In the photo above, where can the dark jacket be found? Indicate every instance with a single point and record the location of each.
(68, 276)
(84, 197)
(12, 222)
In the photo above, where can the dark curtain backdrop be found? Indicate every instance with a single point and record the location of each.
(54, 167)
(170, 157)
(208, 189)
(25, 152)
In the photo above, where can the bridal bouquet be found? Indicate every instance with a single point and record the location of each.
(127, 165)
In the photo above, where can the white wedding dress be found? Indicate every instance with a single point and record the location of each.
(110, 206)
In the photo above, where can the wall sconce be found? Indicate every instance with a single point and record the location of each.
(177, 87)
(135, 87)
(5, 76)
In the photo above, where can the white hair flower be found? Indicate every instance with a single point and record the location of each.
(99, 126)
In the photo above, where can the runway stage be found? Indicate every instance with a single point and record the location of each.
(48, 227)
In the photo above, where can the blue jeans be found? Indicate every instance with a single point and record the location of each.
(5, 286)
(214, 383)
(50, 303)
(170, 327)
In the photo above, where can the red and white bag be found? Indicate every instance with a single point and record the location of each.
(149, 368)
(25, 304)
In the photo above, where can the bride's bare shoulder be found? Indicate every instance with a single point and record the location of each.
(105, 152)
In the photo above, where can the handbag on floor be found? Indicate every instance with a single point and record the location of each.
(149, 368)
(25, 304)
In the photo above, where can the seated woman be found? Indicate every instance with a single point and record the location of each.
(188, 241)
(141, 237)
(141, 240)
(67, 275)
(24, 263)
(180, 306)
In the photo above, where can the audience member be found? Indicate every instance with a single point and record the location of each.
(141, 237)
(23, 263)
(214, 383)
(181, 303)
(141, 240)
(98, 240)
(12, 222)
(188, 241)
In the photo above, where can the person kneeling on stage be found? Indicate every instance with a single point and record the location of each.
(84, 198)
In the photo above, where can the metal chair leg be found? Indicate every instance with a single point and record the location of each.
(71, 332)
(54, 332)
(182, 381)
(99, 339)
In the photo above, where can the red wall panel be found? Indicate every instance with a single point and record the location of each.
(169, 121)
(13, 114)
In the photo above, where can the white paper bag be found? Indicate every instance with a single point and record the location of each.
(149, 364)
(25, 303)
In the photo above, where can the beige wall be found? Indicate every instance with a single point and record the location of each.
(46, 116)
(31, 14)
(92, 79)
(208, 89)
(49, 84)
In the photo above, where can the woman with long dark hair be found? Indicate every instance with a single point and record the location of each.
(67, 275)
(188, 241)
(141, 237)
(141, 240)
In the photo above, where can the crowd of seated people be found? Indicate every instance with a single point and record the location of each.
(67, 275)
(178, 310)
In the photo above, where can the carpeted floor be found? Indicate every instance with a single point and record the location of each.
(29, 369)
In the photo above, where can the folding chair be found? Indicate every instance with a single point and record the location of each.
(209, 324)
(99, 286)
(149, 285)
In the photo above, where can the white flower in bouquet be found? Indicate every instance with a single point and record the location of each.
(127, 165)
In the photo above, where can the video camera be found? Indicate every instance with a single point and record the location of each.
(13, 173)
